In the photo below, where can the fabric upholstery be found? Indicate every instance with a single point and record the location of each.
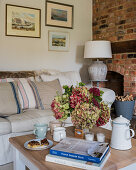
(46, 71)
(66, 78)
(45, 92)
(16, 74)
(9, 101)
(73, 76)
(63, 80)
(25, 122)
(25, 92)
(26, 95)
(5, 126)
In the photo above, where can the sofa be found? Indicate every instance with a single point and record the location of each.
(20, 124)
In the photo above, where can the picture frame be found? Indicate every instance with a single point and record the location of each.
(23, 21)
(59, 15)
(58, 41)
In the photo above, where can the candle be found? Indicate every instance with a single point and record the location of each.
(89, 136)
(100, 137)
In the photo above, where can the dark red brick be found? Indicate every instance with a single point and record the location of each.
(130, 31)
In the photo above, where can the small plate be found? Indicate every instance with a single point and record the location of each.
(40, 147)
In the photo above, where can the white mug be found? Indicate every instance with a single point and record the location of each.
(59, 134)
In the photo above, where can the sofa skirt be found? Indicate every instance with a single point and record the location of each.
(6, 151)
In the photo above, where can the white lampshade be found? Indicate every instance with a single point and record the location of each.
(98, 49)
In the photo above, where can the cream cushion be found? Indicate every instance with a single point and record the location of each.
(9, 101)
(5, 126)
(73, 76)
(25, 122)
(45, 92)
(66, 78)
(25, 93)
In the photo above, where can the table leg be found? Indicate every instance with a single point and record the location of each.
(18, 164)
(20, 161)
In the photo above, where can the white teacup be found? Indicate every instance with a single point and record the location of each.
(59, 134)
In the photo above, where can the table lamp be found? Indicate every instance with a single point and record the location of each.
(97, 49)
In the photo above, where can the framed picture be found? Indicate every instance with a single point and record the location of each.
(58, 41)
(23, 21)
(59, 15)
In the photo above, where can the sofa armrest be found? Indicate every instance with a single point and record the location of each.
(108, 96)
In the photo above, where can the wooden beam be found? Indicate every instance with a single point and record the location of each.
(123, 47)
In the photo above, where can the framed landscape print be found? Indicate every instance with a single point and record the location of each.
(58, 41)
(59, 15)
(23, 21)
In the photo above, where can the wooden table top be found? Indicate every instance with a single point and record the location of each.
(118, 159)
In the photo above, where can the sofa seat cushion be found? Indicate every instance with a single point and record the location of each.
(5, 126)
(25, 122)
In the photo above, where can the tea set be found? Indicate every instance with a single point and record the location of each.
(58, 132)
(120, 138)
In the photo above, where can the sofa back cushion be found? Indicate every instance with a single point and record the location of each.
(45, 92)
(26, 96)
(66, 78)
(9, 102)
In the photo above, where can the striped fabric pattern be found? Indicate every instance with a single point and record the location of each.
(37, 96)
(9, 100)
(15, 93)
(45, 92)
(26, 95)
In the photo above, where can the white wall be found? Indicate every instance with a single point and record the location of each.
(20, 53)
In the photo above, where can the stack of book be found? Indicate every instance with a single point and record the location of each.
(80, 153)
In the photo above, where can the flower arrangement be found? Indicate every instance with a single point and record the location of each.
(84, 105)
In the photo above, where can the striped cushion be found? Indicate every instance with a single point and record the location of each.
(25, 92)
(9, 102)
(45, 92)
(26, 95)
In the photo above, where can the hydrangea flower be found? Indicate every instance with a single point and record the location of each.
(84, 105)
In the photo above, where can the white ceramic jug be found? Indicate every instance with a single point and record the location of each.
(121, 138)
(59, 134)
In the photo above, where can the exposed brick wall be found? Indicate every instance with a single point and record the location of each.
(115, 20)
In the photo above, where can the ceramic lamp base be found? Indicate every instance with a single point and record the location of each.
(97, 70)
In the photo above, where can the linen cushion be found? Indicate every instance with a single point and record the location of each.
(63, 80)
(46, 71)
(25, 122)
(25, 92)
(26, 95)
(45, 92)
(66, 78)
(9, 102)
(5, 126)
(73, 76)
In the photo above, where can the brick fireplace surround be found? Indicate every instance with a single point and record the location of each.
(115, 20)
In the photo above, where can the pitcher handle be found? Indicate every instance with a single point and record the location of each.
(35, 132)
(133, 133)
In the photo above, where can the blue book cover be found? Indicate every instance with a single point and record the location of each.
(81, 149)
